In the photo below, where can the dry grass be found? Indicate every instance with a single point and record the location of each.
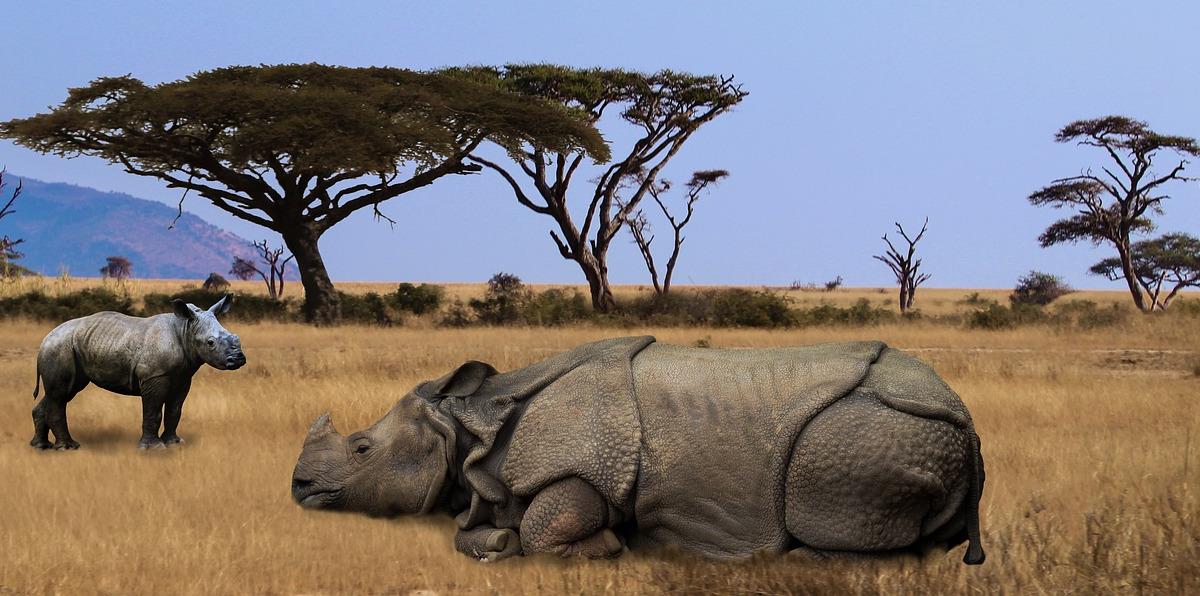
(1091, 473)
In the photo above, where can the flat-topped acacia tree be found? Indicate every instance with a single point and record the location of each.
(661, 112)
(298, 148)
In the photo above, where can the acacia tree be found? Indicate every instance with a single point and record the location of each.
(1170, 262)
(905, 266)
(662, 109)
(8, 246)
(1113, 207)
(299, 148)
(117, 267)
(275, 263)
(639, 224)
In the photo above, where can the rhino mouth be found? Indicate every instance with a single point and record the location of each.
(313, 497)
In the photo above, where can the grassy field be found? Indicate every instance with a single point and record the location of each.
(1089, 439)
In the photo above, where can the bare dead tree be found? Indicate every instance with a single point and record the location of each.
(274, 262)
(905, 265)
(639, 224)
(8, 252)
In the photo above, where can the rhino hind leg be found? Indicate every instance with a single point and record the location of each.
(61, 383)
(570, 518)
(866, 478)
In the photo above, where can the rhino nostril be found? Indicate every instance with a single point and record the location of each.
(301, 484)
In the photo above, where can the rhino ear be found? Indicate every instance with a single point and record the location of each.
(182, 310)
(464, 381)
(222, 305)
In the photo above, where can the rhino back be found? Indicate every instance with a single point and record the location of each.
(116, 351)
(718, 428)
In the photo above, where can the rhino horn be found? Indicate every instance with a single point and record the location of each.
(322, 426)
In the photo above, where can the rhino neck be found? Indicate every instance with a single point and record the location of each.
(450, 493)
(183, 334)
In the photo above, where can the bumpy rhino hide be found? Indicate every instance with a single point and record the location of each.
(577, 417)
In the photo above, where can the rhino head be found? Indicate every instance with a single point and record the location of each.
(206, 338)
(399, 465)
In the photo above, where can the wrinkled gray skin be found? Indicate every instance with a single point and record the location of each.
(154, 357)
(829, 450)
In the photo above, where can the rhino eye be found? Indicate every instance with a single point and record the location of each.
(212, 342)
(362, 448)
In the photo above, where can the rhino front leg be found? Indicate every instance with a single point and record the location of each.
(153, 396)
(487, 543)
(570, 518)
(171, 414)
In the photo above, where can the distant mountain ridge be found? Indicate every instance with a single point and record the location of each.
(78, 228)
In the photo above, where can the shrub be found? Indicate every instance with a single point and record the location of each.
(555, 307)
(368, 309)
(503, 302)
(737, 307)
(417, 300)
(56, 309)
(1039, 289)
(246, 307)
(675, 308)
(1086, 314)
(833, 284)
(996, 316)
(860, 313)
(215, 283)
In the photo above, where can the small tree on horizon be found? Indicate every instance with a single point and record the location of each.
(1113, 207)
(118, 268)
(905, 266)
(274, 262)
(215, 283)
(8, 246)
(1170, 262)
(298, 148)
(639, 224)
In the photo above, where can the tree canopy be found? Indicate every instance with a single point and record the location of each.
(1170, 262)
(297, 148)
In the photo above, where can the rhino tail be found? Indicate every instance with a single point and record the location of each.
(37, 380)
(975, 554)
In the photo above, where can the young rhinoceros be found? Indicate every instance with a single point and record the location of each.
(154, 357)
(850, 447)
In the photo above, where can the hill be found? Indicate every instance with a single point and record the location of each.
(78, 227)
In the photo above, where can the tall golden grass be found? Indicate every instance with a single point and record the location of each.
(1089, 439)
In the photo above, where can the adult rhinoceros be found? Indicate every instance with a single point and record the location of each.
(851, 447)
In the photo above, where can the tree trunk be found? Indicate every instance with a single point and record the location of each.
(1130, 276)
(596, 273)
(321, 303)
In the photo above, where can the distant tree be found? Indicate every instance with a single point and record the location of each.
(1171, 262)
(118, 268)
(274, 263)
(833, 284)
(8, 246)
(663, 110)
(506, 295)
(905, 266)
(298, 148)
(639, 224)
(215, 283)
(1038, 289)
(1112, 208)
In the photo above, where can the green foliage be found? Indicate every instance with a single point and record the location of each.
(1038, 289)
(457, 315)
(246, 307)
(1085, 314)
(56, 309)
(503, 302)
(366, 309)
(418, 300)
(858, 314)
(737, 307)
(555, 307)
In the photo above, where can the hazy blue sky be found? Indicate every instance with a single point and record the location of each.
(860, 114)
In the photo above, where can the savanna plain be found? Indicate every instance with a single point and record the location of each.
(1088, 436)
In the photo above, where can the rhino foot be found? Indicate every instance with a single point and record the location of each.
(501, 544)
(173, 440)
(151, 443)
(67, 444)
(40, 443)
